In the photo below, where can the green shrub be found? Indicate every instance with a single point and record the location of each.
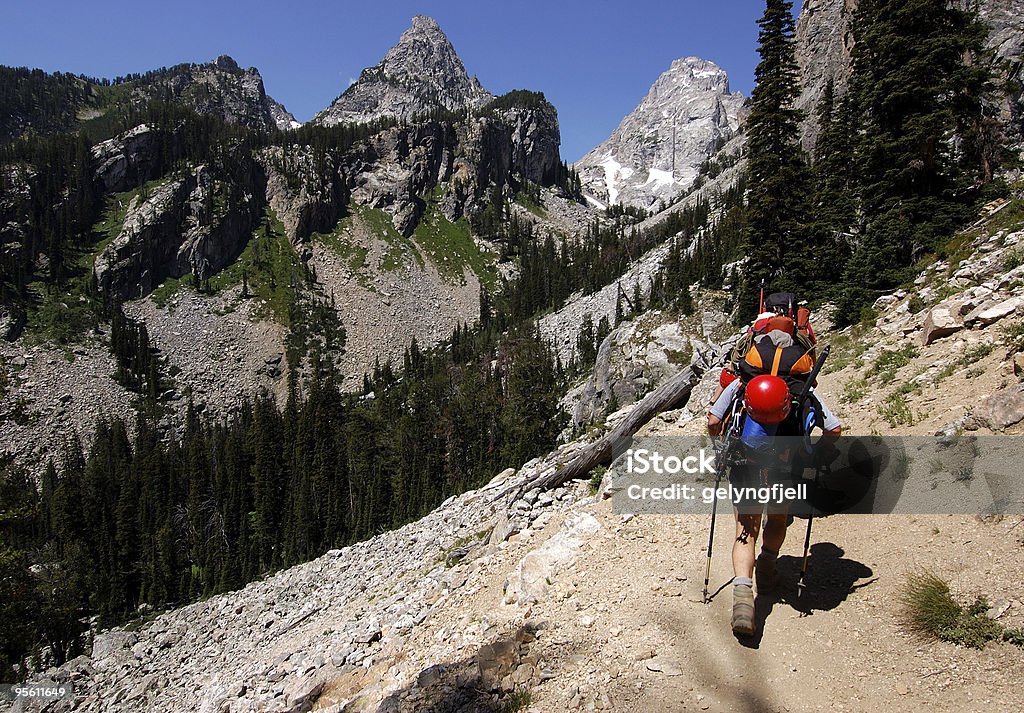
(1014, 636)
(889, 362)
(896, 411)
(854, 391)
(976, 353)
(596, 476)
(928, 609)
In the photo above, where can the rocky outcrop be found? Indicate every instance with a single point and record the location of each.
(823, 45)
(419, 74)
(220, 88)
(824, 42)
(636, 357)
(194, 222)
(146, 249)
(127, 160)
(657, 150)
(474, 159)
(306, 196)
(282, 118)
(1006, 42)
(533, 134)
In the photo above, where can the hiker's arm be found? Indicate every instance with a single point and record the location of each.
(720, 409)
(714, 425)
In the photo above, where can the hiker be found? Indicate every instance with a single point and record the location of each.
(771, 374)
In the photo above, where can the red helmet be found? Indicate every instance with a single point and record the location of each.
(767, 399)
(726, 378)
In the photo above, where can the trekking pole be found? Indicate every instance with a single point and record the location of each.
(721, 461)
(804, 394)
(801, 583)
(711, 535)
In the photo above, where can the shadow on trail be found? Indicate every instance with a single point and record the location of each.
(831, 578)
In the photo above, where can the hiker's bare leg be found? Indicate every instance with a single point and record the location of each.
(747, 528)
(775, 531)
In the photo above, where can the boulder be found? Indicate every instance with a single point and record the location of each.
(1002, 409)
(941, 321)
(495, 661)
(1000, 310)
(532, 577)
(302, 694)
(884, 302)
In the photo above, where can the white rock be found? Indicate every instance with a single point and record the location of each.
(532, 577)
(998, 311)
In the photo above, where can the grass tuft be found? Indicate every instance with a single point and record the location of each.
(889, 362)
(928, 609)
(516, 702)
(854, 390)
(896, 411)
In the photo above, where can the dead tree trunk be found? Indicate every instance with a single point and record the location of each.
(673, 393)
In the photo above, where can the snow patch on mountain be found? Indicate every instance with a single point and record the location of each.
(657, 150)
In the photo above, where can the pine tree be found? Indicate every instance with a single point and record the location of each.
(776, 239)
(916, 84)
(530, 418)
(835, 204)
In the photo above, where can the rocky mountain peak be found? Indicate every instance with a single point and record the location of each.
(420, 73)
(656, 151)
(223, 88)
(227, 63)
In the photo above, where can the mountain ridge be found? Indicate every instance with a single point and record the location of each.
(420, 73)
(656, 151)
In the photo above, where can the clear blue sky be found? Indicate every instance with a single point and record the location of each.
(594, 60)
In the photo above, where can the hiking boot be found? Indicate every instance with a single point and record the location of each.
(743, 610)
(766, 573)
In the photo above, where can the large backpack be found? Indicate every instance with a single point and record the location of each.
(777, 304)
(792, 363)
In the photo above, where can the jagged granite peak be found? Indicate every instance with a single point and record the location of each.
(824, 43)
(282, 118)
(655, 153)
(224, 89)
(420, 73)
(226, 62)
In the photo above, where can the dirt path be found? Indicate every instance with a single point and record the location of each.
(624, 628)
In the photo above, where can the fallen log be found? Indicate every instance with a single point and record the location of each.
(673, 393)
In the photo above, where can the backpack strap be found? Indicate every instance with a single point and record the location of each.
(776, 361)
